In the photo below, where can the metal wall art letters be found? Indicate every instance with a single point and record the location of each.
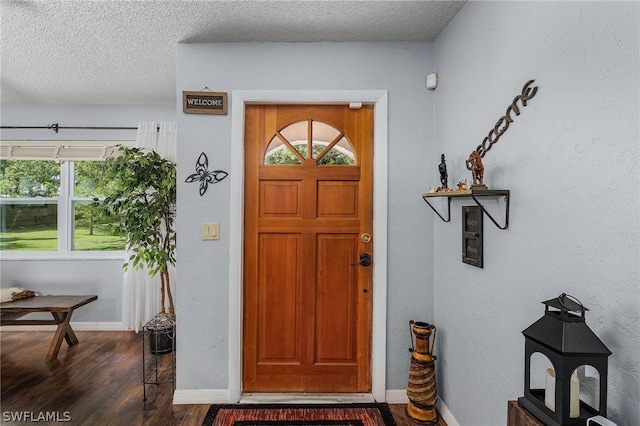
(503, 122)
(204, 176)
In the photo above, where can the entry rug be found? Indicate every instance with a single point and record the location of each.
(299, 415)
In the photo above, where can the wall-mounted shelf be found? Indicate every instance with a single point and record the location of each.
(474, 194)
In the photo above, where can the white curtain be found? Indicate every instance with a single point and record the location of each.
(141, 293)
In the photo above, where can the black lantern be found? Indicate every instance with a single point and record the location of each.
(568, 343)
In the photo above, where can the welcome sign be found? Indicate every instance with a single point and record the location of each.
(204, 102)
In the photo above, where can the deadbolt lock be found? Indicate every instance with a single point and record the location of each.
(366, 238)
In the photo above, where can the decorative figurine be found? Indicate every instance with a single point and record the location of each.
(443, 173)
(432, 189)
(462, 185)
(474, 163)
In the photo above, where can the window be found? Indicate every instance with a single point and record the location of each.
(30, 192)
(46, 206)
(92, 230)
(329, 146)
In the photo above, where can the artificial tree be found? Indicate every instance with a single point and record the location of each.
(144, 201)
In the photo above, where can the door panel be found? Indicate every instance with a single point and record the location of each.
(336, 299)
(279, 198)
(308, 198)
(337, 199)
(277, 312)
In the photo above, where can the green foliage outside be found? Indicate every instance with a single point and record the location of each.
(41, 240)
(47, 240)
(32, 225)
(331, 158)
(92, 181)
(32, 178)
(100, 240)
(95, 230)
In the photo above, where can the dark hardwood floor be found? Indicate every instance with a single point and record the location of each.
(97, 382)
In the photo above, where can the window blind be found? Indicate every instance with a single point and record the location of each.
(60, 150)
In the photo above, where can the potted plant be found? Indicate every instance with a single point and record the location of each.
(144, 201)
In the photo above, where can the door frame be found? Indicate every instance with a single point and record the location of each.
(377, 98)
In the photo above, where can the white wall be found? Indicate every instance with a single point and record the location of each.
(55, 276)
(203, 271)
(571, 162)
(51, 274)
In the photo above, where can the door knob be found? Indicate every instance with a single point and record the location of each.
(365, 260)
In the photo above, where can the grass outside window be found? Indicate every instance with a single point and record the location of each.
(47, 207)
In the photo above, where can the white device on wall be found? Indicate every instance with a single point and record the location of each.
(432, 81)
(599, 421)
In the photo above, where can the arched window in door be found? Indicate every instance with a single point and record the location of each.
(311, 142)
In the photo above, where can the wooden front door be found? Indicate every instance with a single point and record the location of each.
(307, 309)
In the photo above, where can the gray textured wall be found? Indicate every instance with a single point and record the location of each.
(571, 162)
(203, 272)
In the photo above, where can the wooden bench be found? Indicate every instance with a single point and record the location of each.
(61, 307)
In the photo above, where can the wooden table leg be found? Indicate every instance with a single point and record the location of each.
(65, 331)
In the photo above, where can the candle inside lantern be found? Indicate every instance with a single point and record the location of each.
(574, 406)
(550, 390)
(550, 393)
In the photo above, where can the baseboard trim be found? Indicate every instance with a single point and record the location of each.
(76, 326)
(446, 414)
(399, 396)
(396, 396)
(201, 396)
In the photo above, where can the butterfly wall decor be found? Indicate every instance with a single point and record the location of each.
(204, 176)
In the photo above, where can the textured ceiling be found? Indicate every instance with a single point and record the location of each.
(124, 52)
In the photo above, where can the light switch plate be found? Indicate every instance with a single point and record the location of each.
(210, 231)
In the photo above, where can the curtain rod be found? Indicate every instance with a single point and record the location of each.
(55, 127)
